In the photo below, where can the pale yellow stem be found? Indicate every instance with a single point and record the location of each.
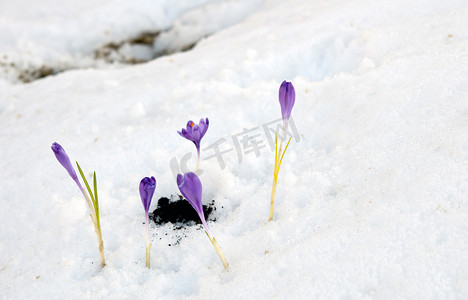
(148, 244)
(220, 253)
(97, 228)
(148, 254)
(272, 201)
(198, 165)
(198, 160)
(275, 175)
(278, 159)
(101, 246)
(92, 212)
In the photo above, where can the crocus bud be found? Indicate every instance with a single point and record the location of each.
(287, 97)
(64, 160)
(147, 186)
(191, 188)
(92, 203)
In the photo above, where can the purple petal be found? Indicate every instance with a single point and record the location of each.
(64, 160)
(196, 133)
(287, 97)
(203, 127)
(190, 126)
(185, 134)
(191, 188)
(147, 187)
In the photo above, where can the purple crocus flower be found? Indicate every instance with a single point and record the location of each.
(93, 205)
(147, 186)
(195, 132)
(64, 160)
(191, 188)
(287, 97)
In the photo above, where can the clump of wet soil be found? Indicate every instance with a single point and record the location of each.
(178, 212)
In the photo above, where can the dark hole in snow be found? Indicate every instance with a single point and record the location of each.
(178, 212)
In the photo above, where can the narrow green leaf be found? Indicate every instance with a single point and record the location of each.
(96, 203)
(86, 182)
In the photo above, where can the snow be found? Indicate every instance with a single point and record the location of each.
(371, 201)
(64, 37)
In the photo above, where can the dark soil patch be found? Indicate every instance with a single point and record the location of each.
(29, 75)
(178, 212)
(25, 74)
(134, 50)
(111, 52)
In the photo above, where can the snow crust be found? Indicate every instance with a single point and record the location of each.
(372, 196)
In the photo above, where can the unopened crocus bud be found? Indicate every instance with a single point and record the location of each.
(191, 188)
(147, 186)
(64, 160)
(287, 97)
(92, 203)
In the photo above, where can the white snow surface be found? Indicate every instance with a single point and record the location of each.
(66, 35)
(371, 201)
